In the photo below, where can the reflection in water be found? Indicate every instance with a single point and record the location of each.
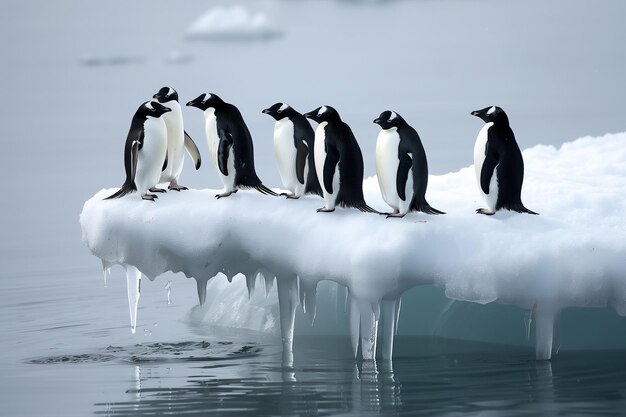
(434, 380)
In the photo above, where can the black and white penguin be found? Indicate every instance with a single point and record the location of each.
(294, 140)
(338, 161)
(401, 166)
(145, 153)
(498, 163)
(230, 145)
(177, 141)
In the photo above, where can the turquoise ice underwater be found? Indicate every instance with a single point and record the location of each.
(557, 72)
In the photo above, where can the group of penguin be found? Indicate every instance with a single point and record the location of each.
(326, 161)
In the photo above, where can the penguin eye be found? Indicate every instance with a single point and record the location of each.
(280, 111)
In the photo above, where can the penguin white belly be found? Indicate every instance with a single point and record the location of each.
(213, 141)
(151, 156)
(175, 143)
(319, 152)
(387, 165)
(479, 159)
(285, 152)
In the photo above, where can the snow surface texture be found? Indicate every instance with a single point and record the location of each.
(232, 23)
(572, 254)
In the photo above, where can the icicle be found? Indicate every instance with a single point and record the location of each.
(376, 310)
(528, 321)
(310, 295)
(106, 270)
(544, 332)
(133, 284)
(369, 330)
(287, 303)
(269, 283)
(168, 289)
(355, 323)
(397, 318)
(229, 277)
(301, 294)
(347, 298)
(250, 283)
(201, 288)
(389, 323)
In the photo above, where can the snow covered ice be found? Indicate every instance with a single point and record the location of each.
(572, 255)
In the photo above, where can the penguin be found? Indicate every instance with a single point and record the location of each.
(145, 153)
(293, 146)
(498, 163)
(230, 145)
(401, 166)
(338, 161)
(177, 140)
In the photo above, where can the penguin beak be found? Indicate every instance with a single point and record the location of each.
(266, 111)
(192, 103)
(377, 120)
(475, 113)
(310, 115)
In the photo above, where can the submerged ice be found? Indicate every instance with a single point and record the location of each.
(572, 255)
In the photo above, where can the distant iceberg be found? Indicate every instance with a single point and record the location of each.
(572, 255)
(232, 24)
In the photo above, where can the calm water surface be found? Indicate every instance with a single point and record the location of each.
(65, 359)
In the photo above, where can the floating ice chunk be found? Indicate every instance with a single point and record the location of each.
(572, 255)
(233, 23)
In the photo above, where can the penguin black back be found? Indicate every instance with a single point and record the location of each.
(343, 147)
(412, 158)
(230, 123)
(302, 131)
(134, 143)
(503, 158)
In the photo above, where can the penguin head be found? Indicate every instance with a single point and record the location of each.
(279, 111)
(491, 114)
(323, 114)
(389, 119)
(153, 109)
(205, 101)
(165, 95)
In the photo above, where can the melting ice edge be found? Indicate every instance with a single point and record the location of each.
(574, 254)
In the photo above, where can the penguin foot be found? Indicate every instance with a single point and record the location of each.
(157, 190)
(177, 187)
(394, 215)
(151, 197)
(485, 212)
(290, 196)
(218, 196)
(325, 210)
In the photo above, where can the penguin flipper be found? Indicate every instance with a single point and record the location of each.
(164, 162)
(404, 166)
(302, 150)
(223, 151)
(134, 150)
(489, 166)
(330, 165)
(192, 150)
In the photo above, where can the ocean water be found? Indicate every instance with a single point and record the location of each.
(74, 73)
